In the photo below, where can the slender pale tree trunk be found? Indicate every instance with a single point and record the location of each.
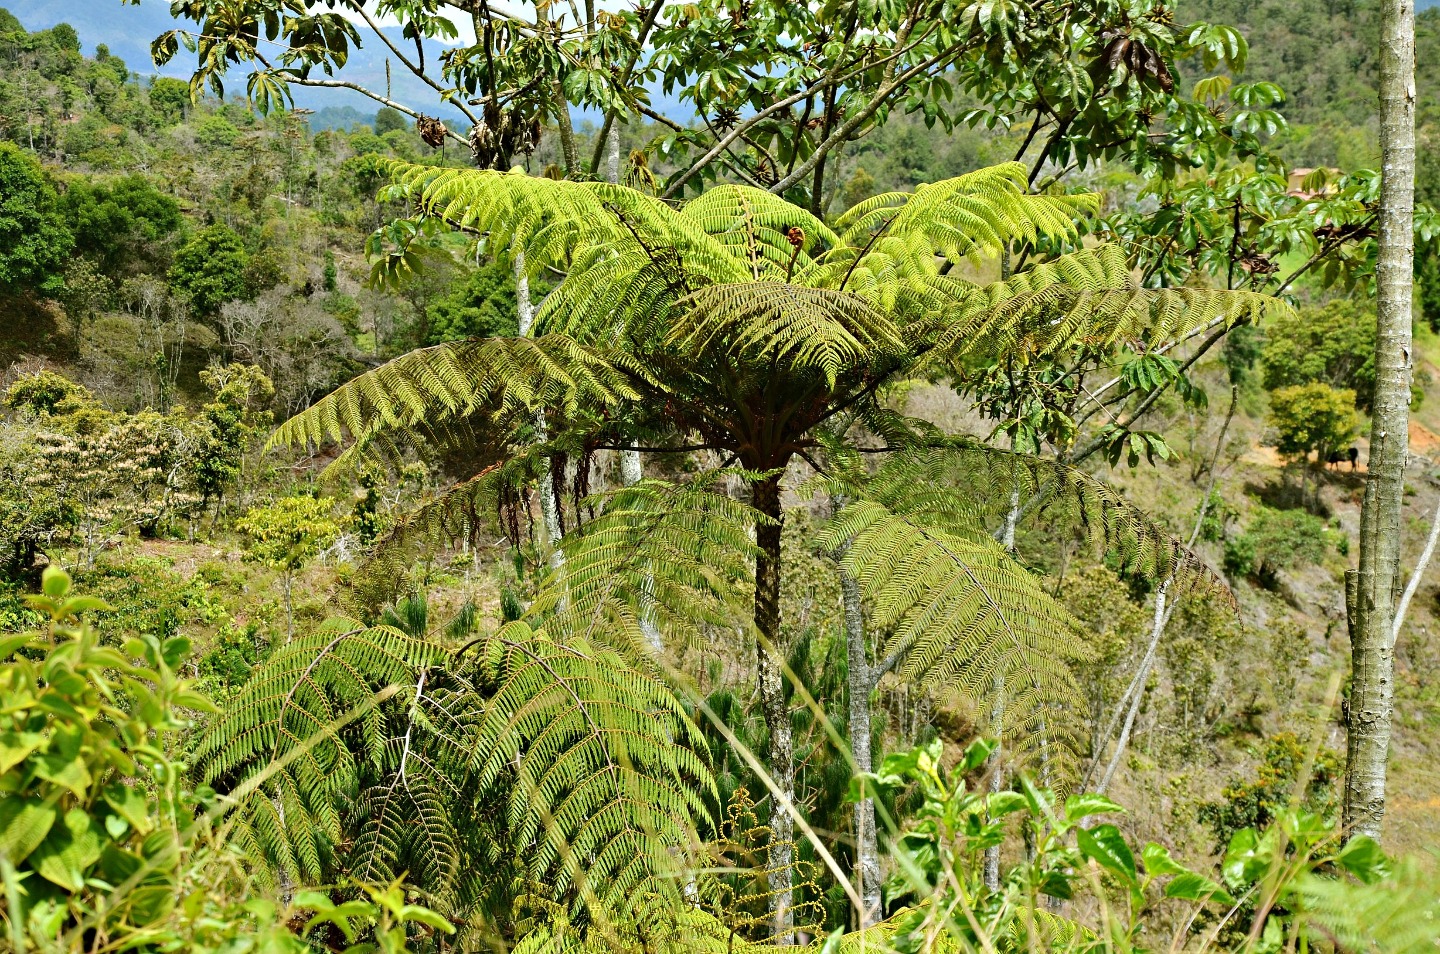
(1137, 686)
(861, 679)
(549, 505)
(612, 154)
(770, 676)
(991, 870)
(631, 470)
(1372, 589)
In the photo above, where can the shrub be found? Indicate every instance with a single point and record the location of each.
(101, 837)
(1277, 540)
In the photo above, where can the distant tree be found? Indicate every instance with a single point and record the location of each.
(44, 393)
(1333, 345)
(119, 221)
(34, 242)
(1312, 418)
(230, 421)
(86, 293)
(286, 536)
(367, 143)
(169, 97)
(65, 38)
(479, 305)
(388, 119)
(210, 270)
(216, 132)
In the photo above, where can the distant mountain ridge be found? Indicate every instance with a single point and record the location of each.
(128, 31)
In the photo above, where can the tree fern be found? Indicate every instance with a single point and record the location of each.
(742, 325)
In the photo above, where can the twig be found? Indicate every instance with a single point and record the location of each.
(1414, 583)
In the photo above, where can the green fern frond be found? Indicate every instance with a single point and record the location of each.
(805, 329)
(957, 475)
(1084, 301)
(959, 612)
(602, 772)
(969, 214)
(1399, 915)
(674, 558)
(606, 769)
(455, 379)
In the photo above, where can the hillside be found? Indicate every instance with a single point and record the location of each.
(547, 565)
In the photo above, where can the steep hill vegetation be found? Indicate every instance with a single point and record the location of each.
(432, 557)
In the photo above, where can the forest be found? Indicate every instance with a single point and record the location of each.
(964, 483)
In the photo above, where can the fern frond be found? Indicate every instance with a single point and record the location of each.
(606, 769)
(959, 612)
(455, 379)
(1399, 915)
(1080, 302)
(671, 557)
(803, 329)
(602, 772)
(950, 478)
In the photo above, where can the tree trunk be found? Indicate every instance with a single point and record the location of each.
(1376, 578)
(549, 505)
(861, 680)
(612, 154)
(567, 134)
(991, 870)
(771, 678)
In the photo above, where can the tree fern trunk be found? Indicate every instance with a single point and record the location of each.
(771, 679)
(1371, 624)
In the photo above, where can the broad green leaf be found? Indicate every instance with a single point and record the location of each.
(15, 747)
(1193, 887)
(413, 912)
(9, 644)
(130, 803)
(1158, 861)
(1105, 845)
(69, 773)
(976, 754)
(1087, 804)
(54, 582)
(24, 823)
(1005, 803)
(66, 854)
(1238, 853)
(1363, 857)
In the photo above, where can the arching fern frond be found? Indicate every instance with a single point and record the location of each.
(605, 769)
(601, 773)
(969, 214)
(455, 379)
(1398, 915)
(660, 558)
(1084, 301)
(805, 329)
(958, 610)
(960, 475)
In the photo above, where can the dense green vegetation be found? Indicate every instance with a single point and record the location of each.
(913, 517)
